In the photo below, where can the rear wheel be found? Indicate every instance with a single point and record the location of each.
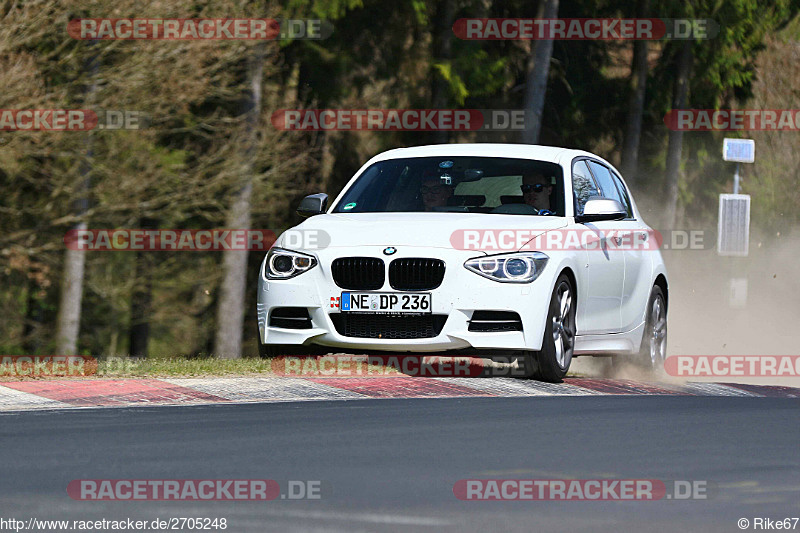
(552, 362)
(653, 350)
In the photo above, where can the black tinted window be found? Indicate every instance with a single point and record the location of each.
(457, 184)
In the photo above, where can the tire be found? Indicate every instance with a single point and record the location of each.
(552, 362)
(653, 350)
(266, 351)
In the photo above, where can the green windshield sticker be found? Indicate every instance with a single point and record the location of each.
(349, 206)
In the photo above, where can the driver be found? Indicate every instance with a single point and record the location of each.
(434, 192)
(536, 191)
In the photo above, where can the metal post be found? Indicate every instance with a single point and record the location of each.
(736, 180)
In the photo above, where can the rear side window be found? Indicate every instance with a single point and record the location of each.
(606, 182)
(583, 186)
(626, 199)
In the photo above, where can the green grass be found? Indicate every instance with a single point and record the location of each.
(182, 367)
(162, 367)
(214, 367)
(124, 367)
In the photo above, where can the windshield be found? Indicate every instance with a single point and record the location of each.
(458, 185)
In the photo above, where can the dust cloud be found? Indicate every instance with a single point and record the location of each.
(709, 314)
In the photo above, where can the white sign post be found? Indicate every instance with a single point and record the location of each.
(739, 151)
(733, 229)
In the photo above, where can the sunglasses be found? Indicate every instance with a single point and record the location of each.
(527, 187)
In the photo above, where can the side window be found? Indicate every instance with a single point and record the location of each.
(583, 186)
(606, 182)
(626, 199)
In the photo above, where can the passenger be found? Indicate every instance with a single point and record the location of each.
(434, 192)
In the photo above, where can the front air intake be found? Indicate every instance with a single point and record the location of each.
(290, 318)
(375, 326)
(495, 321)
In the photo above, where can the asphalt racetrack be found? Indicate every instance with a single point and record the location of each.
(391, 464)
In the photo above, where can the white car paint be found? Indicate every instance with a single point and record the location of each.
(612, 288)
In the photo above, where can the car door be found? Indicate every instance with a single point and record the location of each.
(639, 245)
(605, 265)
(632, 242)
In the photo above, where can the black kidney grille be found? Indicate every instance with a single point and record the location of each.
(375, 326)
(416, 274)
(358, 273)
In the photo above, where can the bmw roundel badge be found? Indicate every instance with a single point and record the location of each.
(389, 251)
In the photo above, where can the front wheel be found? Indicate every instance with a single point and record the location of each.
(552, 362)
(268, 351)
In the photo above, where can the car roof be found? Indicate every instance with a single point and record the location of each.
(520, 151)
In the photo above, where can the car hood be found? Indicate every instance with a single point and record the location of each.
(432, 230)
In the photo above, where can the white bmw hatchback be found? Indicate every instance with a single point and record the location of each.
(495, 249)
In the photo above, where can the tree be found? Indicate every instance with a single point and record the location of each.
(230, 314)
(69, 307)
(141, 298)
(638, 85)
(538, 72)
(719, 74)
(442, 55)
(675, 146)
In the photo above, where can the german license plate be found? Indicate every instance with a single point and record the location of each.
(386, 302)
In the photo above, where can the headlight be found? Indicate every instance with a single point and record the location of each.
(521, 267)
(283, 264)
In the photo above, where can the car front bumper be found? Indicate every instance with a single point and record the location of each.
(460, 294)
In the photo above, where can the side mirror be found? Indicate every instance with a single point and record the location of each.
(313, 204)
(597, 209)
